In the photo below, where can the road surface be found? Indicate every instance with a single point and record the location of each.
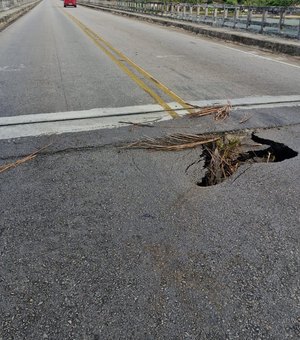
(48, 63)
(102, 242)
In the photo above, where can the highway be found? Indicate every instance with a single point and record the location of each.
(102, 241)
(49, 63)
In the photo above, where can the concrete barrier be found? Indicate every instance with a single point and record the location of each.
(12, 14)
(274, 44)
(9, 4)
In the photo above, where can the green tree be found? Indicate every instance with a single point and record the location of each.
(284, 3)
(231, 2)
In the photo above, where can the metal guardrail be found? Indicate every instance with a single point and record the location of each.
(9, 4)
(283, 21)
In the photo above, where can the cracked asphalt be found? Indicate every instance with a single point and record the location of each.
(100, 242)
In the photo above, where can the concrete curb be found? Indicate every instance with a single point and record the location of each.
(8, 19)
(264, 42)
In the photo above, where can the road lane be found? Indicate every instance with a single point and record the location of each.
(194, 67)
(123, 63)
(47, 64)
(99, 242)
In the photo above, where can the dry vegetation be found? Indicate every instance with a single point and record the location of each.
(173, 142)
(9, 166)
(219, 112)
(221, 159)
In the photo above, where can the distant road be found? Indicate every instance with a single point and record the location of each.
(49, 63)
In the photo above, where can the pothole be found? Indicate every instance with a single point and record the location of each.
(223, 157)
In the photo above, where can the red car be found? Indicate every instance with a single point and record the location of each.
(70, 3)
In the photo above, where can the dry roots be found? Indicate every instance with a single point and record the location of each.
(245, 118)
(174, 142)
(220, 112)
(221, 159)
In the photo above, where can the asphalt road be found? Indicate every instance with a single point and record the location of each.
(48, 64)
(101, 242)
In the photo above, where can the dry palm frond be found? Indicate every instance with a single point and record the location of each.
(205, 111)
(173, 142)
(245, 119)
(137, 124)
(30, 157)
(223, 112)
(221, 160)
(220, 112)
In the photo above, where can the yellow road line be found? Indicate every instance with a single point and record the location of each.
(98, 41)
(161, 86)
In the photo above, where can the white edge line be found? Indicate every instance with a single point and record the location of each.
(140, 110)
(96, 123)
(260, 56)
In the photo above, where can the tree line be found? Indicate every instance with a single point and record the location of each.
(261, 3)
(284, 3)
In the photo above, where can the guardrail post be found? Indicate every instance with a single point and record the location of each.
(235, 16)
(215, 15)
(225, 15)
(198, 10)
(184, 10)
(263, 20)
(191, 10)
(178, 9)
(249, 17)
(206, 12)
(281, 20)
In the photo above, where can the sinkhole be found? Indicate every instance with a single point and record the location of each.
(223, 157)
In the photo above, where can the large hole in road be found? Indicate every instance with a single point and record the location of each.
(223, 157)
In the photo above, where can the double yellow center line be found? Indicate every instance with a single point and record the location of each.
(121, 60)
